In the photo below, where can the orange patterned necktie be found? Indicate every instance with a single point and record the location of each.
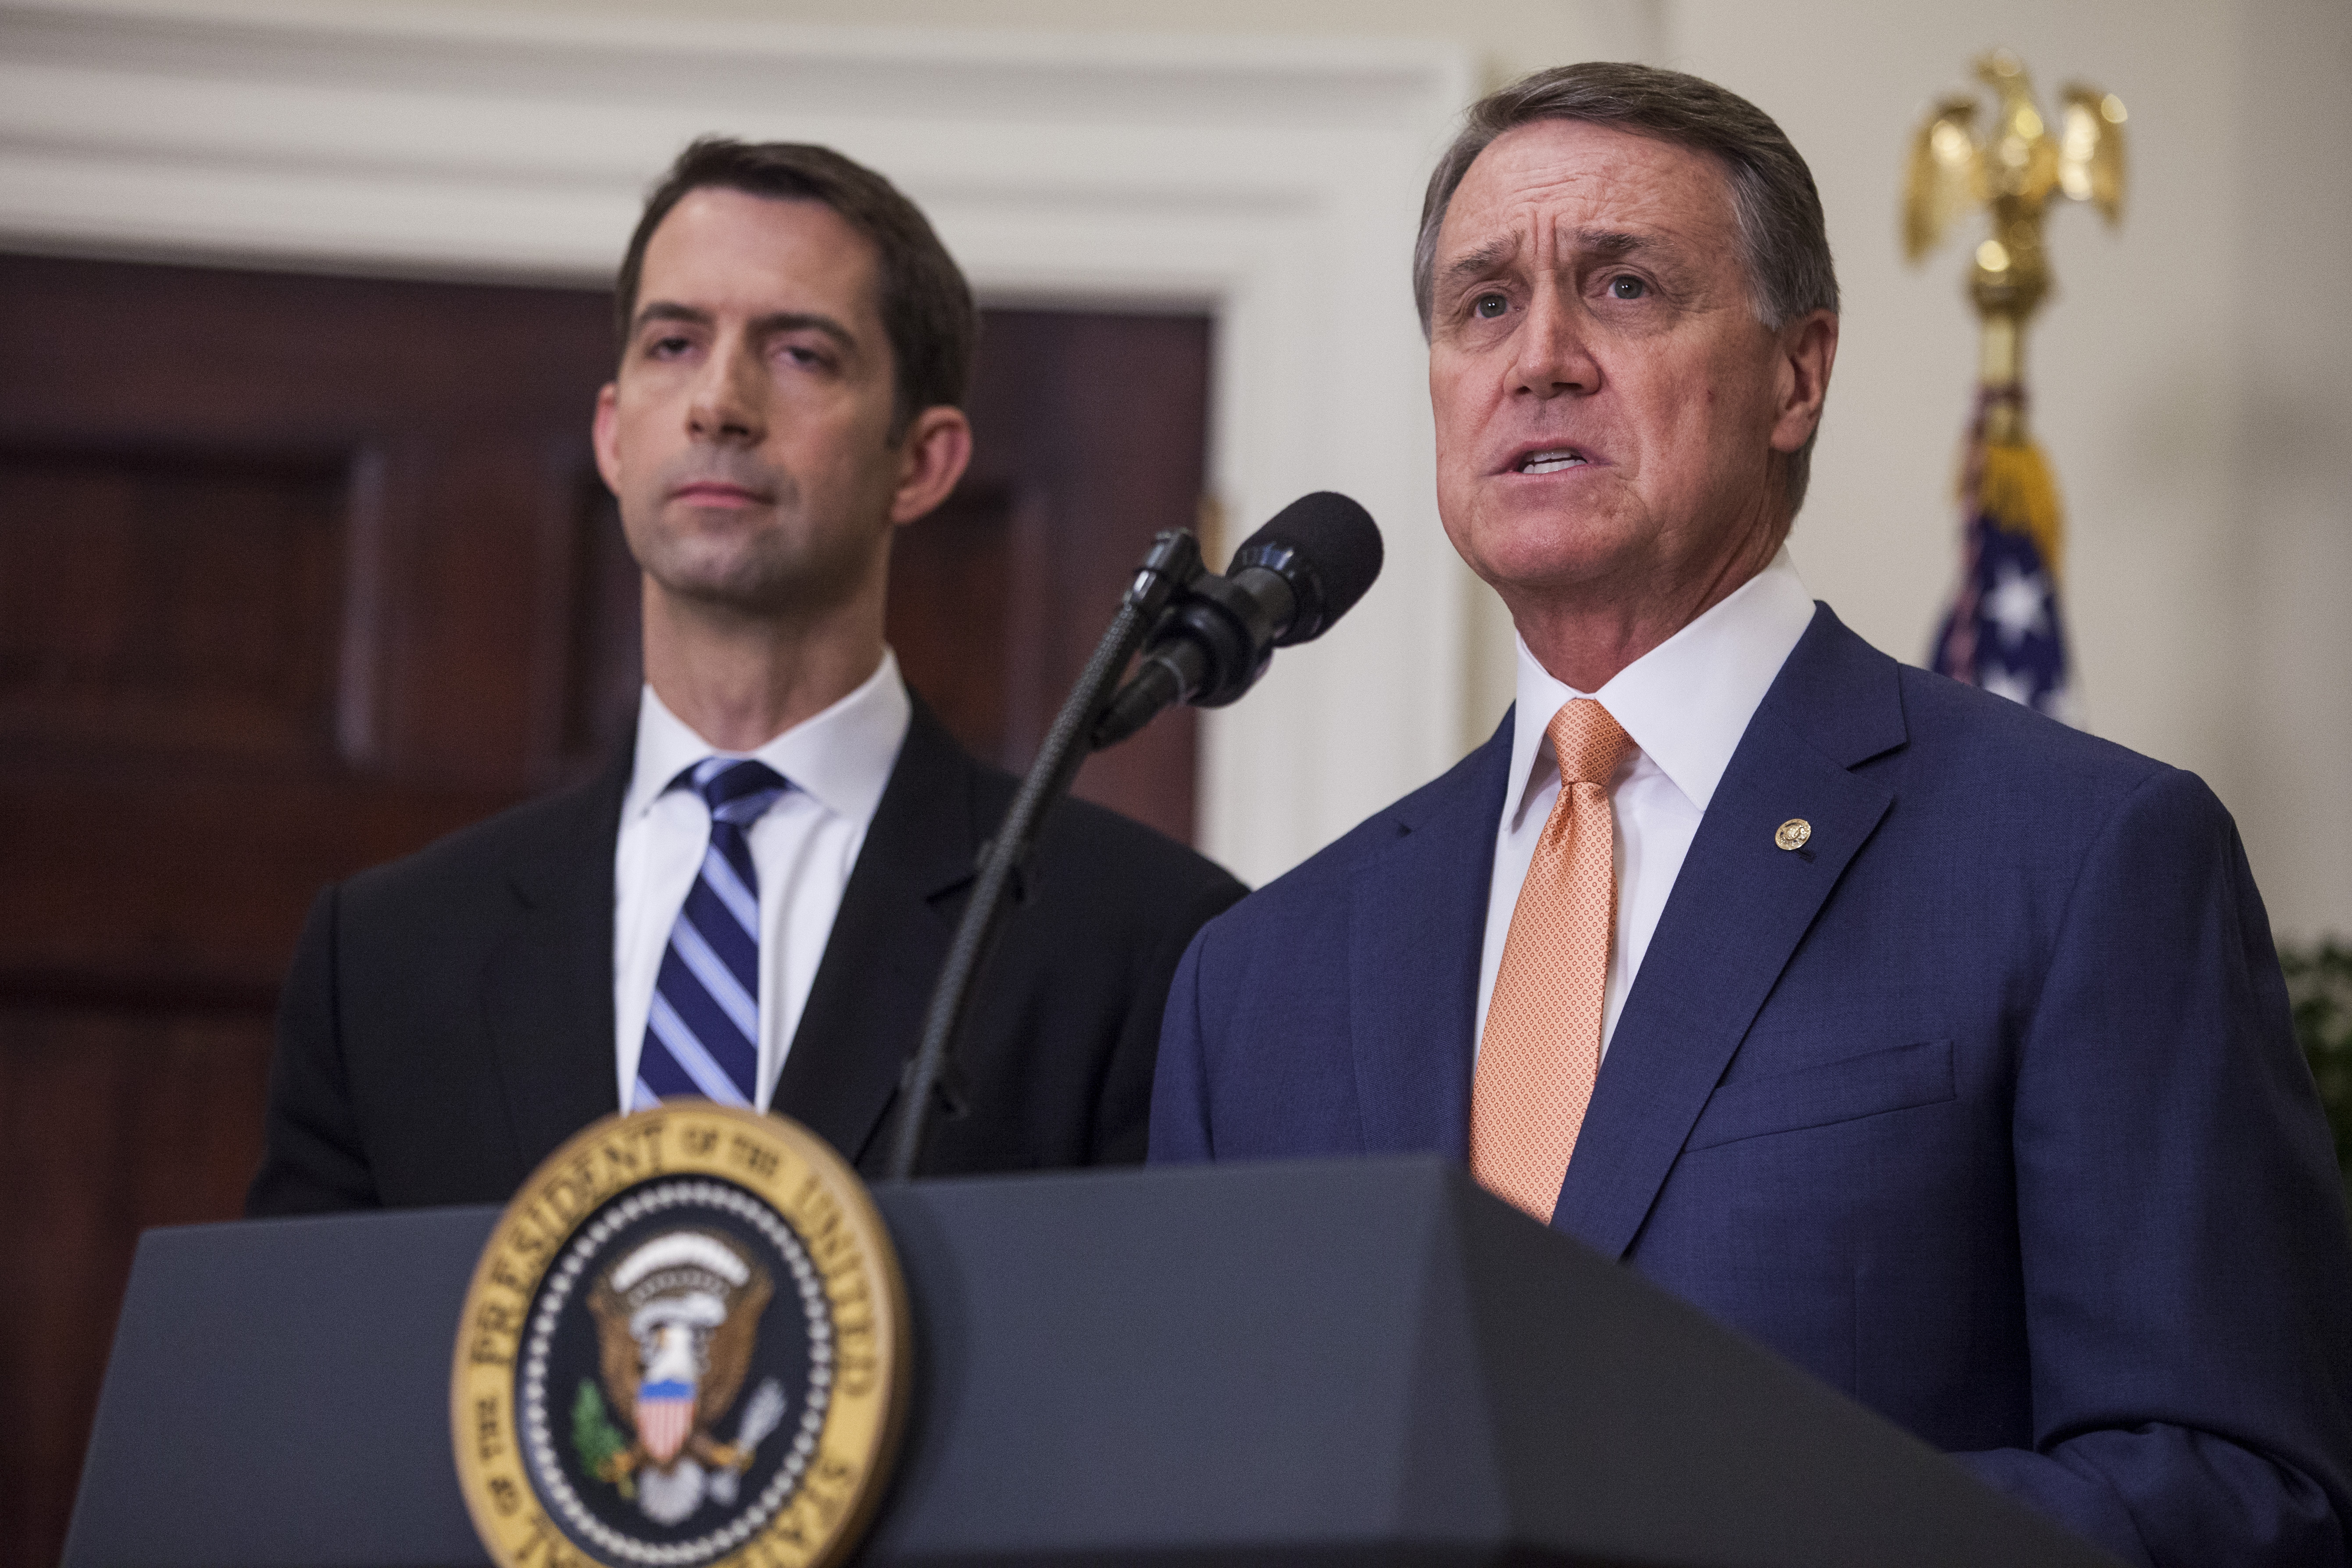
(1541, 1052)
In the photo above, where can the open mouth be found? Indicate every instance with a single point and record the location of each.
(1557, 459)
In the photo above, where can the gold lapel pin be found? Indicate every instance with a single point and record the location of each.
(1792, 833)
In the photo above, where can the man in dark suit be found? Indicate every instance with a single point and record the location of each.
(1935, 1045)
(752, 904)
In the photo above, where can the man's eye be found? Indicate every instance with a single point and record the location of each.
(662, 348)
(1627, 288)
(1489, 306)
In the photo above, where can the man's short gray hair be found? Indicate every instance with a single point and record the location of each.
(1782, 239)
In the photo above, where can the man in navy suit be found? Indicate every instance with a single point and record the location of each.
(1941, 1047)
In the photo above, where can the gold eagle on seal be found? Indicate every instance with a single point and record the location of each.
(677, 1320)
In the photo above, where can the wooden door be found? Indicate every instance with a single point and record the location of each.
(297, 574)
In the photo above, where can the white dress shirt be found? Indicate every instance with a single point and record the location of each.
(1685, 703)
(804, 848)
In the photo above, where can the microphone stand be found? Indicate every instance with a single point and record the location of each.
(1171, 566)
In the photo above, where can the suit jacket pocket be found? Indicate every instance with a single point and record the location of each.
(1868, 1085)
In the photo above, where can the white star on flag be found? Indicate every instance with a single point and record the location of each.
(2017, 604)
(2008, 683)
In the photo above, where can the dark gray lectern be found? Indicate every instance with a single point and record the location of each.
(1369, 1363)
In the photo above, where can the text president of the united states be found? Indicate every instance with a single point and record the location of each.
(1931, 1043)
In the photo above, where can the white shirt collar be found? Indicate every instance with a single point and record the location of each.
(841, 757)
(1686, 701)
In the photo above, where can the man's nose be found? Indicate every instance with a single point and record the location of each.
(1554, 354)
(730, 400)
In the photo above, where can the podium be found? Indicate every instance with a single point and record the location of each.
(1324, 1364)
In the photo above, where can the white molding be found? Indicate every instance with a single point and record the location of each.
(1273, 184)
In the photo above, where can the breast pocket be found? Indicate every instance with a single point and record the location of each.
(1868, 1085)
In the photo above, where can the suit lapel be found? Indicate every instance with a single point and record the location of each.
(864, 1012)
(547, 991)
(1739, 909)
(1416, 919)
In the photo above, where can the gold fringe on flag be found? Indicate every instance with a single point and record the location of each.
(2014, 490)
(2006, 628)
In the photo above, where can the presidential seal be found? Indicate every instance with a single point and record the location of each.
(685, 1344)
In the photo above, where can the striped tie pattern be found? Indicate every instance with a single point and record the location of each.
(702, 1032)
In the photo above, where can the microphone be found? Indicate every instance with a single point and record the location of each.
(1203, 638)
(1286, 583)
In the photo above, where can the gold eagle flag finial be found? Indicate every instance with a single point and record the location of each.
(2004, 631)
(2011, 169)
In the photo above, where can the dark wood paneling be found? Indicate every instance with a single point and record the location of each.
(186, 601)
(1098, 426)
(438, 431)
(300, 573)
(953, 578)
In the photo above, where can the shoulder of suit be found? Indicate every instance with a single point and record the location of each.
(1473, 787)
(2031, 792)
(554, 828)
(1083, 844)
(1095, 840)
(1965, 730)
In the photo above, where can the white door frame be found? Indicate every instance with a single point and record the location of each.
(1272, 184)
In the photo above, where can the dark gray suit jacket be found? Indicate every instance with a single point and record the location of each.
(448, 1018)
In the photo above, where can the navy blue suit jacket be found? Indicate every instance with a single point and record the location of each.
(1983, 1105)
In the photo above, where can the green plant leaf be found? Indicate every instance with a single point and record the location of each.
(594, 1436)
(2319, 990)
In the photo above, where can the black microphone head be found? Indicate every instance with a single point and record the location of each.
(1327, 548)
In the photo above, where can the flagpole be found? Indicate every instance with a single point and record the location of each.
(2004, 630)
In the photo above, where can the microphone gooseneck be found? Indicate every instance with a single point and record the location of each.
(1286, 583)
(930, 1078)
(1204, 639)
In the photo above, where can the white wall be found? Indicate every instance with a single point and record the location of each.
(2192, 376)
(2290, 286)
(1510, 36)
(1270, 184)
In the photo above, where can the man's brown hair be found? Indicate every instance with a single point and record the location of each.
(1782, 237)
(926, 305)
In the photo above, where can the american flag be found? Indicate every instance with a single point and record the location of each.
(664, 1416)
(2005, 631)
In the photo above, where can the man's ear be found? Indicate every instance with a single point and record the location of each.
(931, 457)
(1807, 349)
(603, 434)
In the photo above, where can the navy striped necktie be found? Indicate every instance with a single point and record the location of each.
(702, 1032)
